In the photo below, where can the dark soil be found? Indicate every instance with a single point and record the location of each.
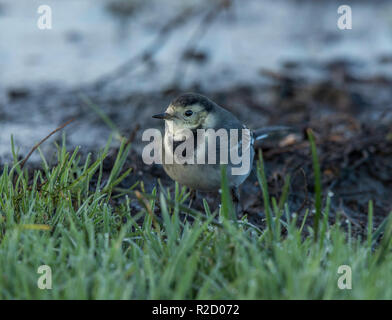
(350, 117)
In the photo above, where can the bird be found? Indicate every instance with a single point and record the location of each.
(191, 112)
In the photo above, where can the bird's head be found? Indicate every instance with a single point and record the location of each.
(189, 111)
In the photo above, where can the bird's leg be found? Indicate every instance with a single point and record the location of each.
(192, 197)
(235, 195)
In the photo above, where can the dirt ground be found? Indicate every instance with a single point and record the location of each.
(351, 119)
(350, 116)
(348, 109)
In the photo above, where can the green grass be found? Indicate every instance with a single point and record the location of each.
(97, 249)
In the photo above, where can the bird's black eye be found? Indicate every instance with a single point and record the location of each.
(188, 113)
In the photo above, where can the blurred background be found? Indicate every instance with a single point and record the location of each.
(271, 62)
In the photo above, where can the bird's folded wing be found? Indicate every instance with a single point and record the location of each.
(246, 141)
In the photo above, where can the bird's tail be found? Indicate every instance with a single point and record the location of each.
(266, 132)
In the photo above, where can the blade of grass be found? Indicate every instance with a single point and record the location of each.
(227, 209)
(385, 241)
(102, 115)
(264, 188)
(370, 224)
(317, 184)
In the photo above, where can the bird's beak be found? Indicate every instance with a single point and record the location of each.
(164, 116)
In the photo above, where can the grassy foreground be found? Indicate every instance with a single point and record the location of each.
(83, 229)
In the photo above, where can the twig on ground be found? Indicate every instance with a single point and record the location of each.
(132, 136)
(146, 55)
(344, 211)
(201, 30)
(43, 140)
